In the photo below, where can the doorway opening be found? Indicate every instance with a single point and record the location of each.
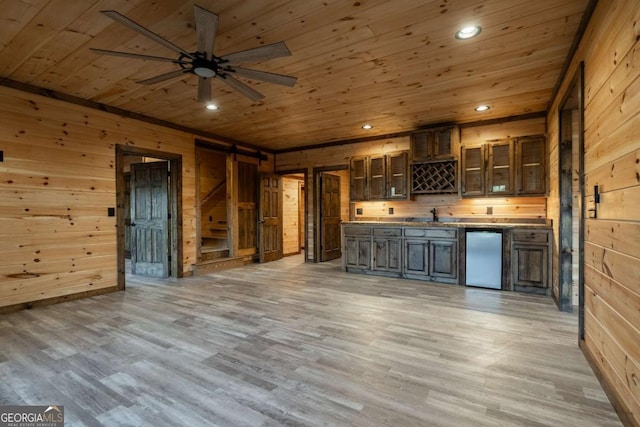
(572, 196)
(293, 214)
(211, 181)
(148, 213)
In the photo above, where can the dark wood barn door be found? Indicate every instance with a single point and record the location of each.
(150, 219)
(330, 246)
(270, 223)
(247, 208)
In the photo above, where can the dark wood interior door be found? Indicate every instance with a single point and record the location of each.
(270, 223)
(127, 215)
(330, 245)
(150, 219)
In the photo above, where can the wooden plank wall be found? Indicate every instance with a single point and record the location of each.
(57, 180)
(345, 211)
(449, 206)
(610, 50)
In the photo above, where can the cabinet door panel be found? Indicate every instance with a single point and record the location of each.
(397, 175)
(530, 268)
(358, 178)
(421, 146)
(417, 257)
(351, 251)
(377, 178)
(473, 170)
(531, 165)
(444, 259)
(442, 147)
(387, 255)
(501, 168)
(358, 252)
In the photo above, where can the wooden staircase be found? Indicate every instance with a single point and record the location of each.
(215, 259)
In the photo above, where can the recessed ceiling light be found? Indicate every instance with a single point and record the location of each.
(481, 108)
(468, 32)
(367, 126)
(211, 106)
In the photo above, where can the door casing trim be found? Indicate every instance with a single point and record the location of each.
(175, 208)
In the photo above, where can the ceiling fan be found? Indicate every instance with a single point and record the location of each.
(203, 63)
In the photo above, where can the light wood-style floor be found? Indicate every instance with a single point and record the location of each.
(288, 343)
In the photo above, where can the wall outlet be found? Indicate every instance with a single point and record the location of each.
(111, 211)
(390, 211)
(358, 211)
(489, 210)
(1, 156)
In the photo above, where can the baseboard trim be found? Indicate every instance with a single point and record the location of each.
(56, 300)
(618, 404)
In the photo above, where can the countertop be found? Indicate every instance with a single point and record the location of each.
(474, 225)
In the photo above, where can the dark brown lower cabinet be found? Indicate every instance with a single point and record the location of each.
(435, 260)
(357, 247)
(433, 253)
(411, 252)
(387, 255)
(416, 259)
(530, 261)
(358, 252)
(444, 259)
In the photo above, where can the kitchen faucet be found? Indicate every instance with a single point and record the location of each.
(434, 212)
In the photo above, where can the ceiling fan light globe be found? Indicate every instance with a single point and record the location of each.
(204, 72)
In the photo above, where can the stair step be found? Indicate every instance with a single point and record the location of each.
(212, 254)
(205, 267)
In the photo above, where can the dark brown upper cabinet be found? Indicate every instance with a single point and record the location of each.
(397, 175)
(379, 177)
(531, 164)
(473, 171)
(500, 169)
(358, 180)
(433, 144)
(505, 168)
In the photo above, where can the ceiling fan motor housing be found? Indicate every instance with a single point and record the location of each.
(202, 67)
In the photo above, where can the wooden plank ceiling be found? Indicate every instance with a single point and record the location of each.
(395, 64)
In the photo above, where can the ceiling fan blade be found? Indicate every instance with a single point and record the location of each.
(276, 50)
(204, 90)
(118, 17)
(163, 77)
(250, 93)
(135, 56)
(206, 28)
(279, 79)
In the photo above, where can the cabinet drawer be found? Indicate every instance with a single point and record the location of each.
(429, 233)
(393, 232)
(357, 231)
(532, 236)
